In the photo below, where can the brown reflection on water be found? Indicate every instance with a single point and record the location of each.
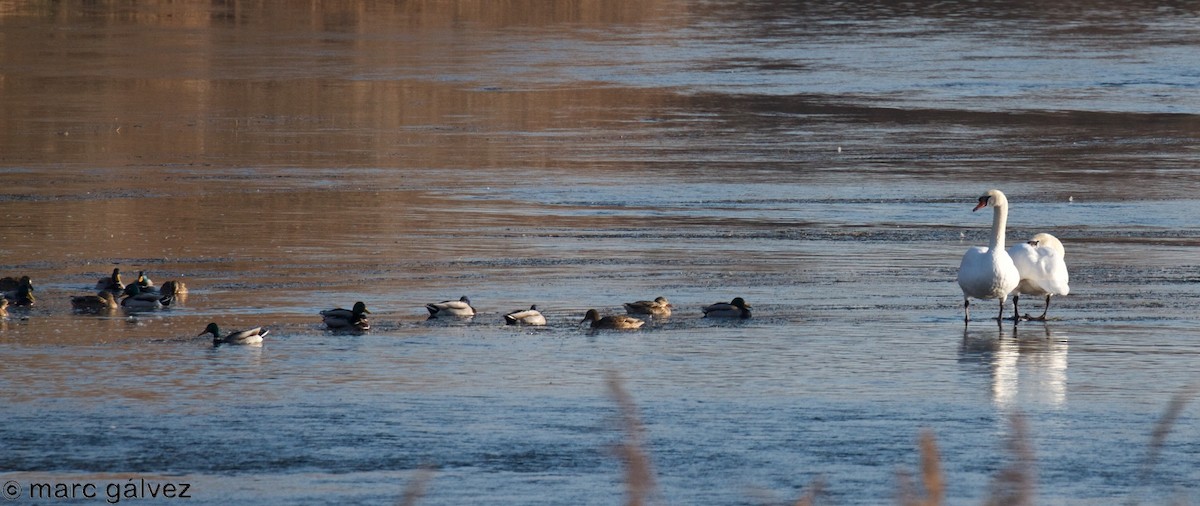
(247, 84)
(304, 123)
(118, 120)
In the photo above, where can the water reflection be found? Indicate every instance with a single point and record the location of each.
(1026, 363)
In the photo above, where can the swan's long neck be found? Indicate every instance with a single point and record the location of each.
(999, 222)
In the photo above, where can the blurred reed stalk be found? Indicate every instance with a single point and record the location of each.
(1158, 437)
(639, 476)
(931, 476)
(1012, 485)
(415, 489)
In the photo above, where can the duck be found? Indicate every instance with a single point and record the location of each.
(1043, 267)
(347, 318)
(618, 321)
(657, 307)
(138, 300)
(989, 272)
(249, 336)
(736, 308)
(460, 308)
(111, 283)
(102, 301)
(170, 288)
(529, 316)
(9, 284)
(19, 292)
(144, 281)
(173, 288)
(3, 307)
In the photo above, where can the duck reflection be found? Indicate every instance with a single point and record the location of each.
(1027, 364)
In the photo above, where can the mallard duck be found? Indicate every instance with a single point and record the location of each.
(144, 281)
(173, 288)
(460, 308)
(102, 301)
(170, 288)
(111, 283)
(347, 318)
(250, 336)
(529, 316)
(19, 292)
(617, 321)
(136, 299)
(657, 307)
(737, 308)
(9, 284)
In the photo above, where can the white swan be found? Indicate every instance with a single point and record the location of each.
(989, 273)
(1043, 267)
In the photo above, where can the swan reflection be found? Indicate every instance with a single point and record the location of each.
(1027, 365)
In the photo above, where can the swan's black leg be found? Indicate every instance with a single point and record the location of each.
(1016, 312)
(1047, 310)
(966, 310)
(1000, 317)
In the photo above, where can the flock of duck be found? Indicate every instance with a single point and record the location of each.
(143, 295)
(140, 295)
(1036, 267)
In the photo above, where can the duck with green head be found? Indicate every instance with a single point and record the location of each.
(345, 319)
(144, 281)
(136, 299)
(19, 292)
(737, 308)
(249, 336)
(529, 316)
(460, 308)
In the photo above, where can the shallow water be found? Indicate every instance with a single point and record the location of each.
(819, 160)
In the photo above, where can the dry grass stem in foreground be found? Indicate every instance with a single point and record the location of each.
(639, 477)
(416, 487)
(931, 476)
(1158, 437)
(1014, 484)
(1164, 426)
(814, 490)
